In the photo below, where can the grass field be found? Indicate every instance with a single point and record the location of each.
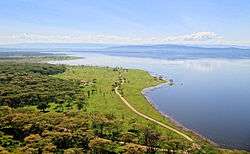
(104, 100)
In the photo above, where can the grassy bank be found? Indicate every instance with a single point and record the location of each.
(106, 101)
(80, 111)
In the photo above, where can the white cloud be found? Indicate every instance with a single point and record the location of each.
(194, 37)
(202, 36)
(198, 37)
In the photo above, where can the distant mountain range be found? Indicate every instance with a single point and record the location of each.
(166, 51)
(103, 46)
(177, 46)
(58, 46)
(169, 51)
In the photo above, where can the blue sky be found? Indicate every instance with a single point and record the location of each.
(117, 21)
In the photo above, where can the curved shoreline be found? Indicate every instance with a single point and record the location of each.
(149, 118)
(165, 115)
(172, 120)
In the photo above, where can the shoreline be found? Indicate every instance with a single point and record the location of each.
(172, 120)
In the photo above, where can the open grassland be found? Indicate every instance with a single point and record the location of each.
(104, 100)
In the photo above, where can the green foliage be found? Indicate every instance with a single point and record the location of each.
(99, 145)
(24, 68)
(106, 126)
(37, 131)
(134, 149)
(129, 137)
(150, 137)
(35, 57)
(24, 84)
(89, 116)
(33, 131)
(42, 106)
(7, 141)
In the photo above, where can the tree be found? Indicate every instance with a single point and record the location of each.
(134, 149)
(150, 138)
(129, 137)
(73, 151)
(6, 141)
(99, 145)
(42, 106)
(3, 150)
(80, 105)
(60, 103)
(81, 102)
(98, 125)
(94, 80)
(88, 92)
(32, 138)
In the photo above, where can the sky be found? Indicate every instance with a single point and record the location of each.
(125, 21)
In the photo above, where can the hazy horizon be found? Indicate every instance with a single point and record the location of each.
(125, 22)
(98, 45)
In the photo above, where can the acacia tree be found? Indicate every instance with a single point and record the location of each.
(81, 103)
(150, 138)
(60, 105)
(42, 106)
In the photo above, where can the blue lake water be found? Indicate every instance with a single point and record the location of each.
(211, 95)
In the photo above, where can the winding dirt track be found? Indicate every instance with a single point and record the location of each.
(151, 119)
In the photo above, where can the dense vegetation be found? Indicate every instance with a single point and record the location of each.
(22, 54)
(24, 84)
(29, 131)
(33, 57)
(53, 109)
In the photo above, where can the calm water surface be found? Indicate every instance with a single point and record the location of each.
(211, 96)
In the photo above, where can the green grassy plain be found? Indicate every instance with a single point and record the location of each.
(107, 102)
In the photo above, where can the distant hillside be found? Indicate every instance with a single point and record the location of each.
(164, 51)
(160, 51)
(53, 46)
(175, 46)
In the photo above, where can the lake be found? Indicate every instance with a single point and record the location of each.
(211, 95)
